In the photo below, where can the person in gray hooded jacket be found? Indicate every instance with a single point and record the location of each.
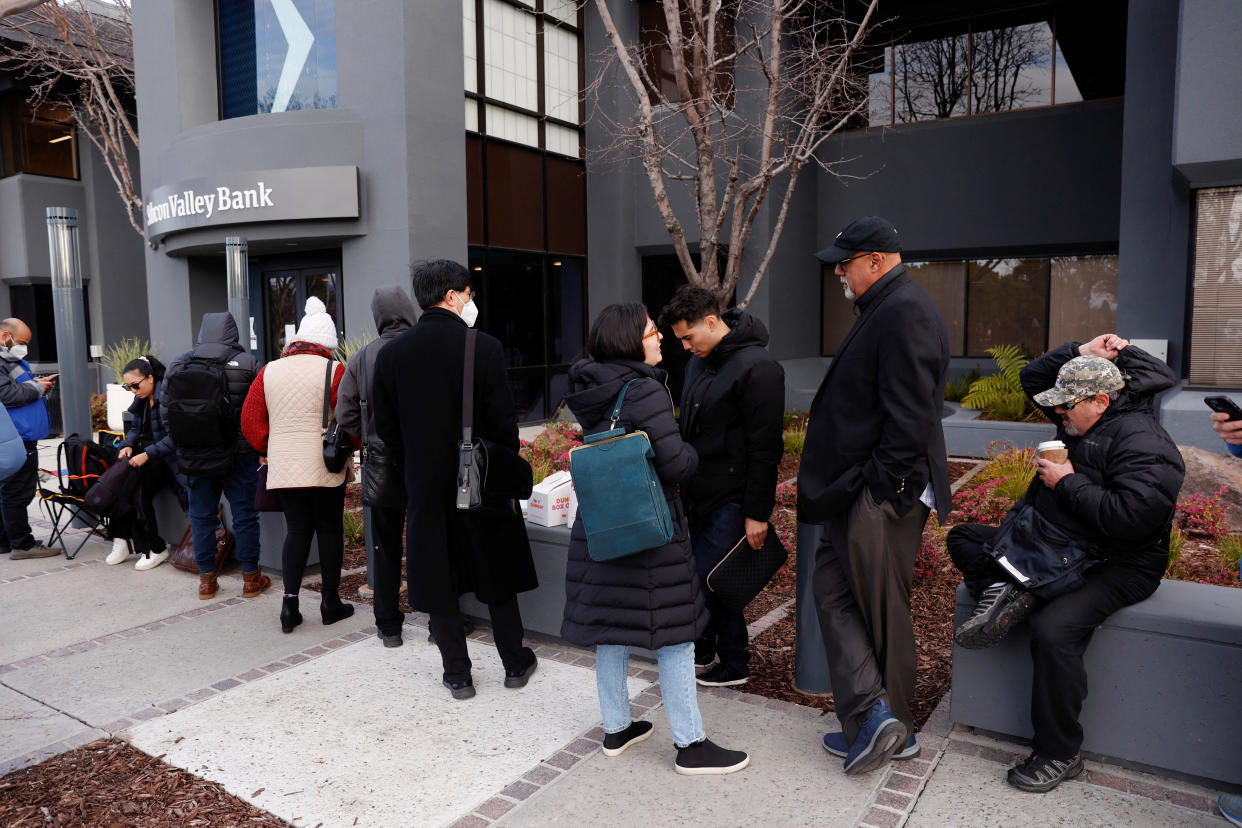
(382, 486)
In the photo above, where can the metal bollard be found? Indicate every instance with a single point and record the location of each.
(68, 310)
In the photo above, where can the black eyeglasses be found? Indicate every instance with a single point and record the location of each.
(844, 262)
(1069, 406)
(133, 386)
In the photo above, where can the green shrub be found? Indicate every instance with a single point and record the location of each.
(1177, 545)
(99, 412)
(795, 439)
(351, 346)
(998, 485)
(119, 354)
(795, 419)
(1000, 396)
(1230, 551)
(959, 386)
(353, 528)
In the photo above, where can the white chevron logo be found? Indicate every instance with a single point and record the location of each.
(300, 39)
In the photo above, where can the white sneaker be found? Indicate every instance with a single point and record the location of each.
(151, 561)
(119, 553)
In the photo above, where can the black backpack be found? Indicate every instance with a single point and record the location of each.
(199, 416)
(82, 463)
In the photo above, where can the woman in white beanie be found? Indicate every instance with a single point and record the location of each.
(283, 420)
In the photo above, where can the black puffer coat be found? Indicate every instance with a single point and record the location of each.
(732, 412)
(1127, 470)
(652, 599)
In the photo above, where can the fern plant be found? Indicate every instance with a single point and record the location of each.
(1000, 396)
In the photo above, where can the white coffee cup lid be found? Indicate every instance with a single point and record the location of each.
(1050, 444)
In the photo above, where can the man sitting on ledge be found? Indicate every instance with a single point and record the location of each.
(1115, 495)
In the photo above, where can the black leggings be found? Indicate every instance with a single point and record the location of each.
(140, 524)
(319, 512)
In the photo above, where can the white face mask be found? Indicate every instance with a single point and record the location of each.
(16, 350)
(470, 313)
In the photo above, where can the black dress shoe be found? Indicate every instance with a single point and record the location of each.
(460, 689)
(518, 678)
(394, 640)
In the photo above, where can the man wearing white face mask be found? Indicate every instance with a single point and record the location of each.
(418, 414)
(22, 394)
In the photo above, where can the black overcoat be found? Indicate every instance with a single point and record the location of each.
(418, 408)
(652, 599)
(876, 416)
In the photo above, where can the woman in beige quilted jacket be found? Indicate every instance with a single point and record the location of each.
(283, 420)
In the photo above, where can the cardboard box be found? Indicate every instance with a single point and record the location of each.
(549, 500)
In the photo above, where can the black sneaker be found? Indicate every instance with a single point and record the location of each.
(518, 678)
(460, 689)
(1039, 774)
(706, 758)
(722, 676)
(1001, 608)
(394, 640)
(704, 653)
(616, 743)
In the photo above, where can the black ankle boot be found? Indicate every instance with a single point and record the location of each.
(333, 609)
(289, 615)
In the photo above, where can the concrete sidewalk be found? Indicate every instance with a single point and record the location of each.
(327, 726)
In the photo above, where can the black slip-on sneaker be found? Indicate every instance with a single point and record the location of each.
(706, 758)
(616, 743)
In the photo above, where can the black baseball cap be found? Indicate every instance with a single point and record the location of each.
(869, 233)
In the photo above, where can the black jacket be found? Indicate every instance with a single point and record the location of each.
(418, 414)
(149, 428)
(876, 416)
(217, 339)
(394, 314)
(1127, 470)
(652, 599)
(732, 412)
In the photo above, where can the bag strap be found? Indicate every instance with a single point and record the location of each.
(467, 388)
(362, 391)
(616, 409)
(327, 392)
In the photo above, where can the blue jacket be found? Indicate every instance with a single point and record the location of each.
(12, 449)
(22, 395)
(161, 446)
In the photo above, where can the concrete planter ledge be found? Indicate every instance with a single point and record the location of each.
(1163, 677)
(965, 435)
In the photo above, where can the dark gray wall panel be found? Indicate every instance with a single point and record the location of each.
(1207, 136)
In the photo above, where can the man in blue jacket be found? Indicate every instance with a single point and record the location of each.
(22, 395)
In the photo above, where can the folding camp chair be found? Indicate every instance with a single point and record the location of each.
(79, 463)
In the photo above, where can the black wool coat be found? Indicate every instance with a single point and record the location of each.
(875, 419)
(1127, 469)
(418, 415)
(732, 412)
(652, 599)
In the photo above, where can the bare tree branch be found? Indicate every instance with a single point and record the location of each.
(760, 85)
(80, 53)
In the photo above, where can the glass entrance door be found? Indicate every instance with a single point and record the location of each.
(285, 295)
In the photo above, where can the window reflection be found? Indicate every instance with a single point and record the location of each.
(1216, 315)
(40, 141)
(276, 56)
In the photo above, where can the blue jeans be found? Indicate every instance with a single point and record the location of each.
(713, 537)
(239, 488)
(677, 688)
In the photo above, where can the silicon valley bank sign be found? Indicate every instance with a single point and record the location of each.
(260, 195)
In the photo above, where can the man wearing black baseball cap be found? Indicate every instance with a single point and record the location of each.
(873, 467)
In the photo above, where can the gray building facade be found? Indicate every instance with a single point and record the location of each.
(1093, 191)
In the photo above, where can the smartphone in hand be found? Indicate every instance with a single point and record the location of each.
(1224, 405)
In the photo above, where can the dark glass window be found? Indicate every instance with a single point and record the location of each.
(33, 305)
(658, 55)
(1034, 303)
(515, 215)
(39, 141)
(276, 57)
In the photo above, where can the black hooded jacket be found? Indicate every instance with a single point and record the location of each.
(217, 339)
(393, 313)
(1127, 470)
(732, 412)
(652, 599)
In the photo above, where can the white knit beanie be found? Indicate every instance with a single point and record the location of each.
(317, 326)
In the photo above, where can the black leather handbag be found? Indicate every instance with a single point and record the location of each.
(743, 572)
(336, 448)
(491, 478)
(381, 483)
(1037, 555)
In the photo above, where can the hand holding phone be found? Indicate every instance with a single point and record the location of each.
(1224, 405)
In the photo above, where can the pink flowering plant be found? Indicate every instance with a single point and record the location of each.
(549, 451)
(989, 495)
(1203, 515)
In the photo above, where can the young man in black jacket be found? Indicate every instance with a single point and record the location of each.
(732, 412)
(1115, 494)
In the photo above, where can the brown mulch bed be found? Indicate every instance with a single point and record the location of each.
(111, 784)
(1200, 562)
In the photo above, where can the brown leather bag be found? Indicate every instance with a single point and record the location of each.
(183, 557)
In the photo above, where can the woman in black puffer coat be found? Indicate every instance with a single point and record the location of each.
(651, 599)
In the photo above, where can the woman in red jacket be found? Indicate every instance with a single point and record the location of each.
(283, 420)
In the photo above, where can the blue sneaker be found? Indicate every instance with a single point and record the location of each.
(1230, 807)
(878, 739)
(834, 743)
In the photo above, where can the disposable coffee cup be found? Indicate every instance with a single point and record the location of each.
(1053, 450)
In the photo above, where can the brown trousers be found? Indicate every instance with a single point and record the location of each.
(864, 569)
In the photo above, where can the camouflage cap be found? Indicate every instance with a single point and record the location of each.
(1083, 376)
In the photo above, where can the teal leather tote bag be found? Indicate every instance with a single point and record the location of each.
(620, 501)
